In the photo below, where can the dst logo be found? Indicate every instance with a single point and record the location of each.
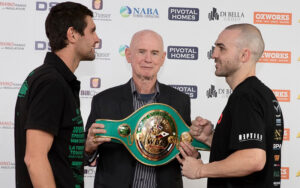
(97, 4)
(44, 5)
(42, 45)
(126, 11)
(275, 57)
(210, 52)
(183, 14)
(286, 134)
(282, 95)
(272, 18)
(285, 173)
(183, 52)
(189, 90)
(225, 15)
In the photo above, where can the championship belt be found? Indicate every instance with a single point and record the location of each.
(151, 134)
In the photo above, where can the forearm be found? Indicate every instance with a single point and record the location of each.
(40, 172)
(238, 164)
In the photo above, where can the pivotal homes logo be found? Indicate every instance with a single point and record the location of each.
(214, 92)
(276, 57)
(8, 45)
(190, 90)
(139, 12)
(282, 95)
(12, 6)
(183, 14)
(276, 18)
(222, 15)
(182, 52)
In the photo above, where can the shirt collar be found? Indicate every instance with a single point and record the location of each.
(134, 91)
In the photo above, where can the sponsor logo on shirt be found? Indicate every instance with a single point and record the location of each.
(276, 146)
(277, 173)
(285, 173)
(278, 134)
(286, 134)
(276, 158)
(276, 183)
(272, 18)
(276, 57)
(250, 136)
(282, 95)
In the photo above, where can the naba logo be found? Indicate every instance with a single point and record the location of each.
(122, 49)
(125, 11)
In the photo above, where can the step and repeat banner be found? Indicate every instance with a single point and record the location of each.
(189, 29)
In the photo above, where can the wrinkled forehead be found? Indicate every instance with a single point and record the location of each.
(147, 40)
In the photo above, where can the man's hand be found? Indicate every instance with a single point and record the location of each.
(93, 141)
(202, 130)
(189, 150)
(191, 167)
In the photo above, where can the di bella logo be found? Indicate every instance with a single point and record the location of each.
(44, 5)
(12, 46)
(126, 11)
(210, 52)
(190, 90)
(275, 18)
(183, 14)
(182, 52)
(213, 92)
(276, 57)
(282, 95)
(12, 6)
(233, 16)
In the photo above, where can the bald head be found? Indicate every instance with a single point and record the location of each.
(249, 37)
(146, 33)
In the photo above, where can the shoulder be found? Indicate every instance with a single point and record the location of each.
(113, 92)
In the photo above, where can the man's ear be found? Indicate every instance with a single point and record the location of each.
(71, 35)
(128, 55)
(246, 55)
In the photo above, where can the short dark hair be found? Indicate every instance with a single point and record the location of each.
(60, 18)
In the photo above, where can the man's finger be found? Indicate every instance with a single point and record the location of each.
(179, 159)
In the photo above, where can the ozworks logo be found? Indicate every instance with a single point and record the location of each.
(183, 14)
(285, 173)
(126, 11)
(276, 57)
(282, 95)
(272, 18)
(286, 134)
(187, 89)
(122, 49)
(233, 16)
(182, 52)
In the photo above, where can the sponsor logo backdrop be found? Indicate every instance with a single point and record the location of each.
(189, 29)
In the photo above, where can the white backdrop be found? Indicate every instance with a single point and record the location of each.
(189, 29)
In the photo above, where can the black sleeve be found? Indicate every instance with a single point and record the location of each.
(248, 127)
(46, 106)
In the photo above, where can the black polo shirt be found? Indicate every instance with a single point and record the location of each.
(49, 101)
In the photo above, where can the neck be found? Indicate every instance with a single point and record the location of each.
(237, 78)
(70, 60)
(144, 86)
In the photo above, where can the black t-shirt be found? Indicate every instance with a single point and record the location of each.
(252, 118)
(49, 101)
